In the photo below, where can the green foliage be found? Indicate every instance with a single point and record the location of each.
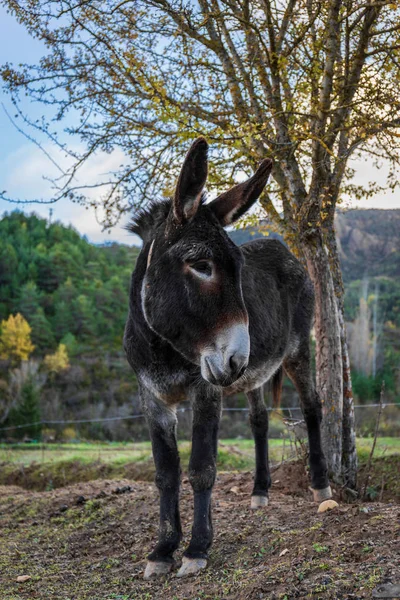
(29, 300)
(27, 410)
(365, 387)
(389, 297)
(68, 290)
(42, 334)
(69, 341)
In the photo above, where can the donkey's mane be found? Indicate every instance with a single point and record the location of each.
(148, 218)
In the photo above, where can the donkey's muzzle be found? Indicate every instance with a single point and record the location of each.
(223, 362)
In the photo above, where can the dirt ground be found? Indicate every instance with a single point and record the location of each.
(88, 541)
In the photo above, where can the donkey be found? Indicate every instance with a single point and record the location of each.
(208, 319)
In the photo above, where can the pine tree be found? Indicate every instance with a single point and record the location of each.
(42, 334)
(28, 409)
(29, 300)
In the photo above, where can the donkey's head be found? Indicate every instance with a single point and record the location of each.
(192, 291)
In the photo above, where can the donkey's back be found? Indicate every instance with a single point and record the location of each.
(279, 298)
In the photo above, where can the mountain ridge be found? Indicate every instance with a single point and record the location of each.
(368, 242)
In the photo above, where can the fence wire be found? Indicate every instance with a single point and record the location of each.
(180, 410)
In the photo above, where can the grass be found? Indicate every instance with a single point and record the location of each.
(385, 446)
(233, 453)
(25, 454)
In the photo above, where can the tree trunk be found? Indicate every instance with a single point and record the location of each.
(349, 452)
(329, 362)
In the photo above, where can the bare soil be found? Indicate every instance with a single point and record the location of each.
(89, 541)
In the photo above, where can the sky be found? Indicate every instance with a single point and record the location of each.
(24, 167)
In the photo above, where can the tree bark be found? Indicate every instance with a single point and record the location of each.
(349, 452)
(329, 362)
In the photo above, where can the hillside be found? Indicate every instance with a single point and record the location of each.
(71, 290)
(65, 287)
(74, 292)
(369, 243)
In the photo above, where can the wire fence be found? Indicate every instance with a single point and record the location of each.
(280, 411)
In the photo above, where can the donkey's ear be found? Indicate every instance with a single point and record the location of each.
(232, 204)
(191, 182)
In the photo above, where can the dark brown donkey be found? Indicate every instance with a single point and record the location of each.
(208, 319)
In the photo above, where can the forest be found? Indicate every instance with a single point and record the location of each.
(74, 295)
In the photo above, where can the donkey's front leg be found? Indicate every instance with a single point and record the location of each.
(162, 422)
(202, 472)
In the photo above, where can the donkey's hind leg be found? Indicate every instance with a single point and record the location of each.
(259, 427)
(298, 368)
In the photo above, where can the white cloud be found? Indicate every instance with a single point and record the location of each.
(25, 176)
(365, 172)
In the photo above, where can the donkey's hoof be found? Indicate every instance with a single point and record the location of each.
(191, 566)
(327, 505)
(258, 501)
(321, 495)
(156, 569)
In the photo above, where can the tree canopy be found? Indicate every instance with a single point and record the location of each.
(309, 83)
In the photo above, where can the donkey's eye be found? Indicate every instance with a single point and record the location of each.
(203, 267)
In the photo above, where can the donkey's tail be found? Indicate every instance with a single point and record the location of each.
(277, 380)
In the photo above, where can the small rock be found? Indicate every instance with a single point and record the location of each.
(63, 508)
(285, 551)
(327, 505)
(235, 490)
(80, 500)
(23, 578)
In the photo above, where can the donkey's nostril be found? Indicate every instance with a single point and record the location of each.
(233, 363)
(237, 363)
(218, 372)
